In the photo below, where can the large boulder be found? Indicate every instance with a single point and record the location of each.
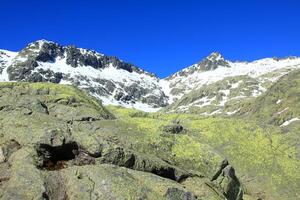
(226, 179)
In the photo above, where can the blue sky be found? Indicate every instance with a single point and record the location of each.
(161, 36)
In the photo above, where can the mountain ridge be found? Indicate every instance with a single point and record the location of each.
(117, 82)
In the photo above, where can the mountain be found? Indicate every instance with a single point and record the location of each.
(108, 78)
(213, 86)
(217, 86)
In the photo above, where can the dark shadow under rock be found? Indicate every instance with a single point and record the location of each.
(55, 157)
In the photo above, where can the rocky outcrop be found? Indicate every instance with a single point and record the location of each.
(226, 179)
(212, 62)
(174, 128)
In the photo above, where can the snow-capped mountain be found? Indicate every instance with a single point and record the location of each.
(108, 78)
(212, 86)
(217, 86)
(215, 68)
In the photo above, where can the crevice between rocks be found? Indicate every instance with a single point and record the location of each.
(54, 158)
(45, 107)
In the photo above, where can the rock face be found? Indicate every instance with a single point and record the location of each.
(226, 179)
(174, 128)
(57, 142)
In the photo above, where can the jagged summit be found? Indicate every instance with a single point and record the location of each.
(212, 62)
(214, 56)
(43, 41)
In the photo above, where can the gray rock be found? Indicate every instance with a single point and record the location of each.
(177, 194)
(226, 179)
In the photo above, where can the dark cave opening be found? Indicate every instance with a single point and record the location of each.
(56, 157)
(168, 172)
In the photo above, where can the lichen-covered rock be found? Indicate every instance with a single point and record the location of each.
(8, 148)
(173, 129)
(226, 179)
(25, 181)
(116, 183)
(177, 194)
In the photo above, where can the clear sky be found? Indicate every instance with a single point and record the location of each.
(161, 36)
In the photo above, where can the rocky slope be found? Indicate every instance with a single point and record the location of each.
(56, 142)
(280, 105)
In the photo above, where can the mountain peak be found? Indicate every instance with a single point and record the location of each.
(40, 43)
(212, 62)
(214, 56)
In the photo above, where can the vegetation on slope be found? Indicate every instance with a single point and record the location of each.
(263, 156)
(279, 104)
(223, 96)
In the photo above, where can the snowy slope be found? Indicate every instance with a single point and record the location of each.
(192, 78)
(107, 78)
(6, 58)
(91, 78)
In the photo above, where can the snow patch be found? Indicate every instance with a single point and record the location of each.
(212, 113)
(280, 112)
(6, 59)
(137, 105)
(278, 101)
(233, 112)
(286, 123)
